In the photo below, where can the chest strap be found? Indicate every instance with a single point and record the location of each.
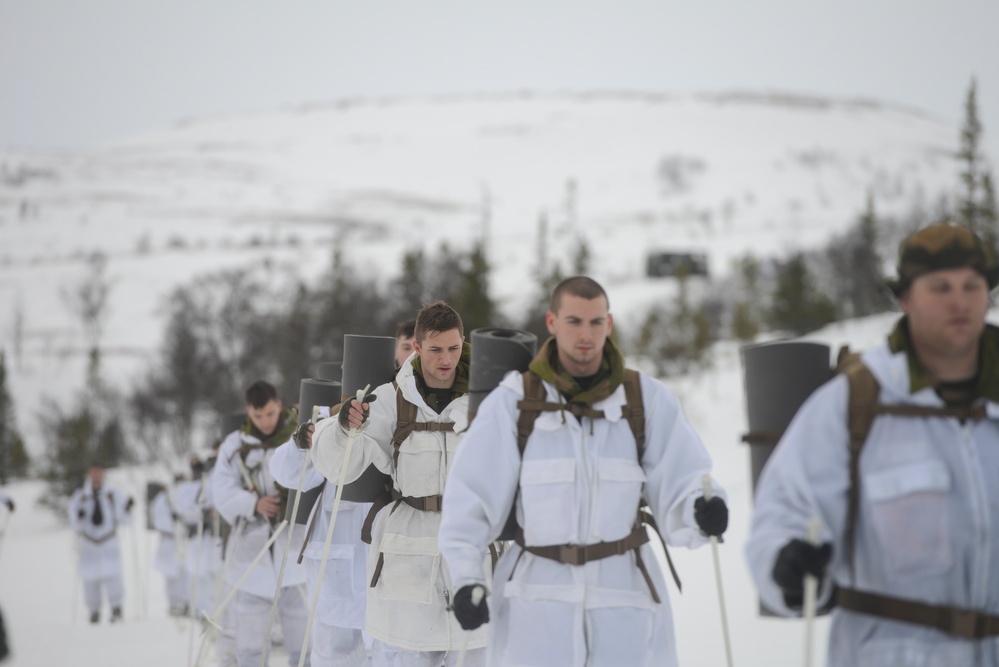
(965, 623)
(422, 503)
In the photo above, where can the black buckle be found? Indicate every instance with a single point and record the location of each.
(572, 554)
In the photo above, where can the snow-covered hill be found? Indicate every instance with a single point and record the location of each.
(723, 174)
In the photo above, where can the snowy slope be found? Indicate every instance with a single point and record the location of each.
(724, 174)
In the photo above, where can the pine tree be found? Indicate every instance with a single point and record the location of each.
(973, 207)
(13, 456)
(798, 304)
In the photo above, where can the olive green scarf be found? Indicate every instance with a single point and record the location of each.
(287, 423)
(460, 386)
(987, 385)
(610, 376)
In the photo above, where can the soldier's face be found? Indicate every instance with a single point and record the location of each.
(946, 311)
(265, 418)
(580, 327)
(440, 352)
(403, 348)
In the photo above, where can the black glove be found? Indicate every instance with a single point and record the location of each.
(303, 439)
(711, 515)
(796, 559)
(10, 504)
(469, 616)
(344, 414)
(129, 504)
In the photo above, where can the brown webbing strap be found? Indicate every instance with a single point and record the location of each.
(532, 406)
(576, 554)
(965, 623)
(312, 523)
(369, 521)
(635, 409)
(646, 517)
(422, 503)
(378, 569)
(407, 423)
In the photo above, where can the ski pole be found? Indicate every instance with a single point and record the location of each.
(478, 592)
(812, 529)
(216, 613)
(284, 560)
(351, 436)
(137, 568)
(195, 590)
(708, 494)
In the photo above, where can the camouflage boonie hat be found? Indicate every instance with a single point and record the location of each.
(942, 246)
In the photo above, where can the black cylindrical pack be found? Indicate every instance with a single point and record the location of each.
(367, 360)
(330, 370)
(496, 352)
(778, 376)
(232, 422)
(315, 394)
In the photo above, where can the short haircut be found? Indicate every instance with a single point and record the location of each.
(581, 286)
(406, 329)
(439, 317)
(260, 393)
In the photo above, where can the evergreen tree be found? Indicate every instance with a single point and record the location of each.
(745, 313)
(676, 338)
(973, 208)
(798, 304)
(14, 459)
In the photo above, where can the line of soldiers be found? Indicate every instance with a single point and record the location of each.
(520, 538)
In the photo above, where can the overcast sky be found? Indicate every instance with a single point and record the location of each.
(84, 72)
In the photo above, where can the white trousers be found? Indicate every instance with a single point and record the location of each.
(385, 655)
(177, 591)
(337, 647)
(253, 616)
(112, 587)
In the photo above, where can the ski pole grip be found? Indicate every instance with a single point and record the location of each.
(478, 592)
(706, 486)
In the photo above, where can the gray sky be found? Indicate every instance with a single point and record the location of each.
(82, 72)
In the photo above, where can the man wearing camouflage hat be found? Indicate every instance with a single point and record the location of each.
(909, 505)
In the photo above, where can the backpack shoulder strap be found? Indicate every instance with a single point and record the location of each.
(861, 412)
(635, 409)
(530, 408)
(405, 421)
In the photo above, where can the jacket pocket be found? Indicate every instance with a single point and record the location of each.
(410, 567)
(621, 483)
(908, 510)
(338, 578)
(548, 494)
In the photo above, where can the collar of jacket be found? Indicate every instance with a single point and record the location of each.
(415, 370)
(987, 387)
(610, 376)
(287, 422)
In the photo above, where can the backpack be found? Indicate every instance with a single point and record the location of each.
(534, 403)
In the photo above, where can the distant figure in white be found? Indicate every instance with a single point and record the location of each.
(245, 492)
(95, 512)
(170, 557)
(337, 639)
(193, 502)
